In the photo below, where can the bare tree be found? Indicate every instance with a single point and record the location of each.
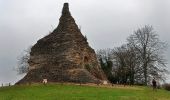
(22, 63)
(120, 64)
(150, 52)
(136, 62)
(125, 63)
(105, 58)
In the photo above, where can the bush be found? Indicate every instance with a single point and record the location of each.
(166, 86)
(88, 67)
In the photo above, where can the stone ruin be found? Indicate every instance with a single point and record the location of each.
(64, 56)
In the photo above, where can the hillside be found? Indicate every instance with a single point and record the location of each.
(76, 92)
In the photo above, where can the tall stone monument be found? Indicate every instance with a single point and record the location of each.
(63, 56)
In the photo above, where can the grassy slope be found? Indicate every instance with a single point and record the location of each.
(73, 92)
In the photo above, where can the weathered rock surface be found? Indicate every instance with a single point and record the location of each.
(63, 56)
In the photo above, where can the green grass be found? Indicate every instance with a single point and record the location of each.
(74, 92)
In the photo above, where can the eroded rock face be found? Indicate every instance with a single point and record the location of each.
(64, 55)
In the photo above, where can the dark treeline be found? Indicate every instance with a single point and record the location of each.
(138, 61)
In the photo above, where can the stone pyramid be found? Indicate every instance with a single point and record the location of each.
(63, 56)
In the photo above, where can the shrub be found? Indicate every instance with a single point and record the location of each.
(166, 86)
(88, 67)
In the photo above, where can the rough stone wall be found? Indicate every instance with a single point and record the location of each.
(64, 55)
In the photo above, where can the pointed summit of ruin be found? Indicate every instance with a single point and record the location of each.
(64, 56)
(65, 11)
(66, 21)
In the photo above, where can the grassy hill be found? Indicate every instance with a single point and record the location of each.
(76, 92)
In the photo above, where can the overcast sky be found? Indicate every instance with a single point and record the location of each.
(106, 23)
